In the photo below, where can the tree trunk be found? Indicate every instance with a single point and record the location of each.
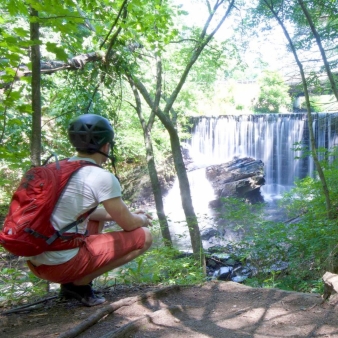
(163, 115)
(151, 161)
(36, 90)
(156, 187)
(309, 115)
(321, 49)
(191, 218)
(190, 215)
(155, 183)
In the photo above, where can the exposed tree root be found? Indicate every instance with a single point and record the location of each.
(95, 317)
(25, 307)
(134, 326)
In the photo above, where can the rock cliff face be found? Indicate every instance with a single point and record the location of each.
(136, 185)
(241, 178)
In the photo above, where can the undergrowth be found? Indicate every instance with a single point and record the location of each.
(295, 254)
(17, 283)
(288, 256)
(160, 265)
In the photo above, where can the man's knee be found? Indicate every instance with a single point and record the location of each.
(148, 239)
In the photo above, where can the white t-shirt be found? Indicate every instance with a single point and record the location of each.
(87, 188)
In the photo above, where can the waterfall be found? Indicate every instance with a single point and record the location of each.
(202, 193)
(281, 141)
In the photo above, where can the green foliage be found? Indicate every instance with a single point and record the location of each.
(9, 180)
(287, 282)
(292, 255)
(273, 95)
(17, 283)
(320, 103)
(306, 20)
(69, 29)
(237, 213)
(161, 265)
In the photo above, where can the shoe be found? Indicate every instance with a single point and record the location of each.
(83, 293)
(96, 292)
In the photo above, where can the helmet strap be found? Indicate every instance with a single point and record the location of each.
(112, 159)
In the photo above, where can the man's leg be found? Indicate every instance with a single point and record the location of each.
(117, 262)
(101, 252)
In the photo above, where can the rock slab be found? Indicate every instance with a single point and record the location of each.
(238, 178)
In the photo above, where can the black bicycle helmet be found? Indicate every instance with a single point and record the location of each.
(89, 132)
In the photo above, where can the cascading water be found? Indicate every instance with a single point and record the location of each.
(281, 141)
(201, 192)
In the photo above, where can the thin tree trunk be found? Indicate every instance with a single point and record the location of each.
(190, 215)
(309, 115)
(321, 49)
(187, 205)
(36, 90)
(155, 183)
(160, 211)
(182, 176)
(163, 115)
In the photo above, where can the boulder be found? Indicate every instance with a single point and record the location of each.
(206, 234)
(241, 177)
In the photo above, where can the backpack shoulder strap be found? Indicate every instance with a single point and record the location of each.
(78, 165)
(59, 233)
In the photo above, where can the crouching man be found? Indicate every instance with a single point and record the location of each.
(75, 268)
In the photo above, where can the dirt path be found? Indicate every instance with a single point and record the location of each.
(215, 309)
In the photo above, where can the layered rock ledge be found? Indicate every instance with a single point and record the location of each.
(242, 177)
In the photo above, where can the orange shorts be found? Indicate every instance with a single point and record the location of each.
(97, 252)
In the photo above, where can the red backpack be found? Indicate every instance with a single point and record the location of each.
(27, 229)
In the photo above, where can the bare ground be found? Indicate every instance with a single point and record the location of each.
(214, 309)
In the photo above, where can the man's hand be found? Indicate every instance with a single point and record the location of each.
(125, 218)
(147, 217)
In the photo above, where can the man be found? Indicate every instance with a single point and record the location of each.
(92, 136)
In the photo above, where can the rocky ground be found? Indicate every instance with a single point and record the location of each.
(214, 309)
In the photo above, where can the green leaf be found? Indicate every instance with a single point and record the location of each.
(11, 40)
(24, 108)
(20, 31)
(58, 51)
(16, 122)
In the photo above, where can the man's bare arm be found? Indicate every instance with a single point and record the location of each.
(126, 219)
(100, 214)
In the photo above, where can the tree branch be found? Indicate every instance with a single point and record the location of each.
(320, 47)
(115, 22)
(50, 67)
(199, 48)
(87, 22)
(138, 106)
(184, 40)
(24, 307)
